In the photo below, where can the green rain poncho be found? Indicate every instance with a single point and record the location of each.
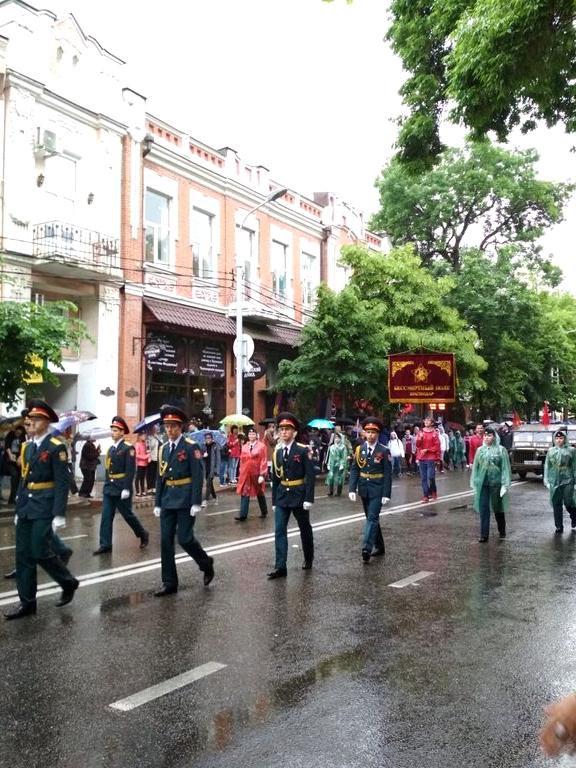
(336, 463)
(457, 449)
(560, 466)
(491, 467)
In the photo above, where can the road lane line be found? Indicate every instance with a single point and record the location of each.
(411, 579)
(64, 538)
(99, 577)
(161, 689)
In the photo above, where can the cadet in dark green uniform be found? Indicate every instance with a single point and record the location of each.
(371, 476)
(292, 493)
(40, 504)
(178, 499)
(120, 466)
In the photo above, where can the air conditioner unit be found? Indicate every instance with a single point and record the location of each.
(46, 142)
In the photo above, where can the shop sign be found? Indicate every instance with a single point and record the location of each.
(421, 378)
(257, 370)
(164, 353)
(212, 362)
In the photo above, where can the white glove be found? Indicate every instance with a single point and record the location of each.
(503, 490)
(157, 511)
(125, 494)
(260, 479)
(307, 506)
(58, 522)
(15, 519)
(194, 509)
(352, 496)
(546, 485)
(341, 468)
(385, 500)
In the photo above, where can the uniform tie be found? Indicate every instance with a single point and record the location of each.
(369, 452)
(172, 446)
(33, 450)
(285, 454)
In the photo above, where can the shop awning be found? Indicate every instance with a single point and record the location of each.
(197, 319)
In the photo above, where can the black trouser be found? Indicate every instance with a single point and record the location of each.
(14, 472)
(245, 503)
(563, 497)
(172, 521)
(88, 478)
(34, 546)
(151, 475)
(141, 479)
(210, 492)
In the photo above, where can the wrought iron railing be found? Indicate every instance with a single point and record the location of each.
(76, 245)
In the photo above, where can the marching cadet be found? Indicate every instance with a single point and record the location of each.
(292, 492)
(371, 476)
(120, 467)
(40, 506)
(178, 499)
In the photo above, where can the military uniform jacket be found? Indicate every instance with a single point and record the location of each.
(180, 476)
(120, 466)
(371, 477)
(292, 480)
(45, 481)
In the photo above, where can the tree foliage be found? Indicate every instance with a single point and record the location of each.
(29, 331)
(482, 195)
(499, 64)
(390, 305)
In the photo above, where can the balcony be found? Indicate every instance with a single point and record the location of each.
(76, 248)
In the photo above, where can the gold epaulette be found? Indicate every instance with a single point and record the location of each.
(190, 442)
(302, 445)
(57, 441)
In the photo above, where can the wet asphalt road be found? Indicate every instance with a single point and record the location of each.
(330, 667)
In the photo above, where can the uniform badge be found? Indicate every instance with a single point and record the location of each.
(296, 458)
(181, 456)
(62, 455)
(44, 456)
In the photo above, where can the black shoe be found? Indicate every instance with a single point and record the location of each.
(307, 565)
(365, 556)
(66, 558)
(378, 551)
(241, 519)
(68, 594)
(166, 591)
(278, 573)
(102, 551)
(264, 514)
(558, 531)
(144, 539)
(21, 611)
(209, 573)
(483, 540)
(502, 535)
(11, 575)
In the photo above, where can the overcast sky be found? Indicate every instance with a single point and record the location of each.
(306, 88)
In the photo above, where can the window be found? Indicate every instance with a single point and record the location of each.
(246, 245)
(60, 187)
(202, 241)
(309, 277)
(279, 264)
(157, 222)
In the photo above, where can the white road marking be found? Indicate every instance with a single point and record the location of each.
(411, 579)
(64, 538)
(161, 689)
(86, 580)
(235, 509)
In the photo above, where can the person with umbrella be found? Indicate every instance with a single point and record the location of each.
(336, 462)
(177, 501)
(371, 478)
(120, 467)
(211, 466)
(41, 506)
(292, 493)
(89, 460)
(252, 482)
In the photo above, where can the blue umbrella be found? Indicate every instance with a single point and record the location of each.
(321, 424)
(147, 422)
(200, 437)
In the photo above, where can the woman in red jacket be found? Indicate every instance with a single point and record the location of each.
(253, 466)
(427, 454)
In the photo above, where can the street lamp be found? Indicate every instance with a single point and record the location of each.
(240, 345)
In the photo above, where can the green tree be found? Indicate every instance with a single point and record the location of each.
(390, 305)
(31, 332)
(482, 195)
(498, 64)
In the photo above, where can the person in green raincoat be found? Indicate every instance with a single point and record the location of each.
(336, 465)
(457, 450)
(559, 478)
(490, 480)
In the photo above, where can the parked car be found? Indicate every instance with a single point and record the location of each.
(531, 443)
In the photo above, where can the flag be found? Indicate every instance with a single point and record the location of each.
(516, 420)
(545, 414)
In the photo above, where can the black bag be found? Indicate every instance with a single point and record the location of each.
(225, 451)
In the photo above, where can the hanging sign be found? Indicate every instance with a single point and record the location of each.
(422, 378)
(212, 362)
(256, 369)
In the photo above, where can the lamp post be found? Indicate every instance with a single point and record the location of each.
(241, 348)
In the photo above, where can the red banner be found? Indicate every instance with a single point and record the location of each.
(422, 378)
